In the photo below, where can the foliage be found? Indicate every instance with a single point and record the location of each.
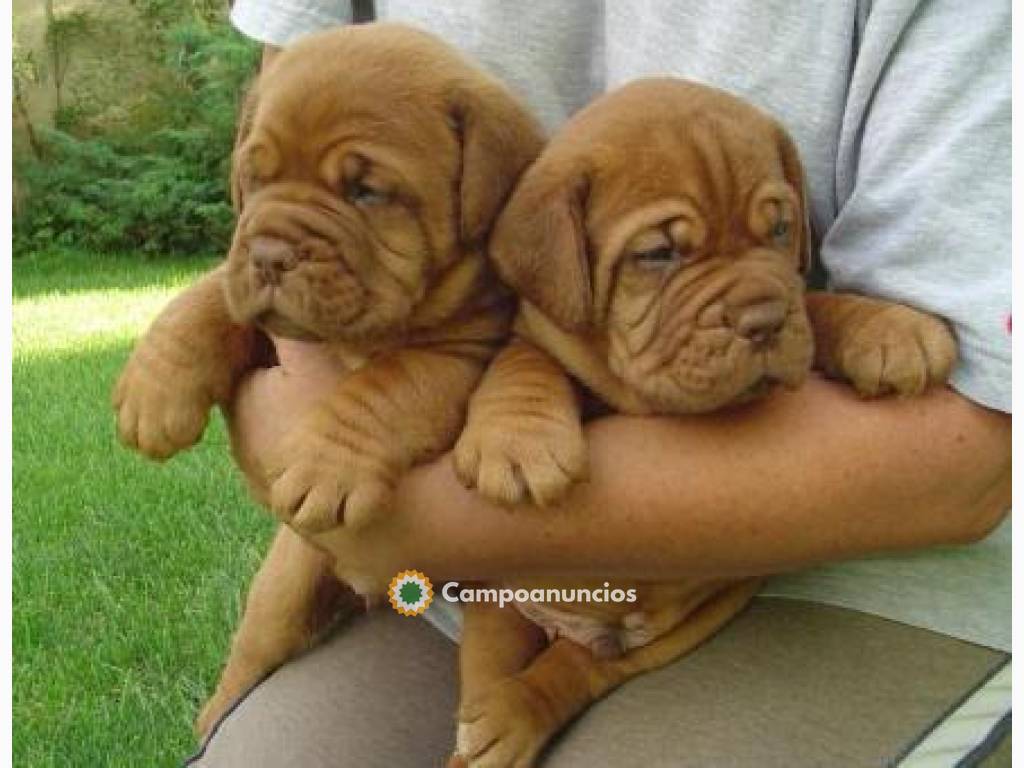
(127, 575)
(137, 160)
(101, 197)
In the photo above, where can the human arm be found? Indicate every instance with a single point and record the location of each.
(805, 477)
(814, 476)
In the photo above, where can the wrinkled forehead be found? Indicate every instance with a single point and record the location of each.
(325, 106)
(713, 162)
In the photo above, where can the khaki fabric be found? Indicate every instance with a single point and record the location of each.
(380, 692)
(788, 683)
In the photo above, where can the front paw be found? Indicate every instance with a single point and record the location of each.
(161, 409)
(503, 729)
(514, 459)
(897, 350)
(327, 478)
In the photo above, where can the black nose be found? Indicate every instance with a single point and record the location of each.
(271, 257)
(761, 321)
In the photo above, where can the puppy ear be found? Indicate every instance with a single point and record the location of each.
(499, 140)
(795, 176)
(246, 115)
(539, 246)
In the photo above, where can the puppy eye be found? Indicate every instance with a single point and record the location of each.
(359, 193)
(780, 232)
(659, 257)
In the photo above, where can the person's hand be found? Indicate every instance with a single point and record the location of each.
(270, 401)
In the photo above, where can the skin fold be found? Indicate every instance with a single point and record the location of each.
(664, 281)
(370, 165)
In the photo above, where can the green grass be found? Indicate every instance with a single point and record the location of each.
(127, 574)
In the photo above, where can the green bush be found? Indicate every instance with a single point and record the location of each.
(155, 179)
(91, 194)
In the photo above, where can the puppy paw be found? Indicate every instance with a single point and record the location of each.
(161, 408)
(636, 631)
(898, 351)
(503, 729)
(327, 477)
(515, 459)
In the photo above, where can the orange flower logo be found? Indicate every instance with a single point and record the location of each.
(410, 593)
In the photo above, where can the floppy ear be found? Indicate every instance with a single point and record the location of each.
(246, 115)
(499, 140)
(795, 176)
(539, 246)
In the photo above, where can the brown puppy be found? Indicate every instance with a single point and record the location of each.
(371, 164)
(657, 245)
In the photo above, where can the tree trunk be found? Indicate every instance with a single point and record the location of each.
(30, 131)
(53, 47)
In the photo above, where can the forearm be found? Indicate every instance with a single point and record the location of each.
(808, 477)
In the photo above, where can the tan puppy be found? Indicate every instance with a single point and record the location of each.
(371, 164)
(657, 245)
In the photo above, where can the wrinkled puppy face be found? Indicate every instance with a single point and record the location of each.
(672, 233)
(372, 159)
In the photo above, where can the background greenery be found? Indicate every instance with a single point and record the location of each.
(127, 575)
(124, 115)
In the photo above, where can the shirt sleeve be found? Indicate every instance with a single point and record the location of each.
(923, 177)
(279, 22)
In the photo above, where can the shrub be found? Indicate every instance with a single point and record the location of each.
(148, 173)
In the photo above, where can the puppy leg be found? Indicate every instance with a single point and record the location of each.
(523, 441)
(878, 346)
(497, 642)
(516, 717)
(510, 721)
(188, 360)
(342, 463)
(293, 598)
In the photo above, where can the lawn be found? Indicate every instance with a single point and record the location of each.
(127, 574)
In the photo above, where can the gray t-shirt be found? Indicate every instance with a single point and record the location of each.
(901, 110)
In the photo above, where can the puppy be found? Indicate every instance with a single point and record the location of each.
(657, 245)
(371, 163)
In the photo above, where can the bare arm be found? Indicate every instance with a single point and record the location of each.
(807, 477)
(804, 478)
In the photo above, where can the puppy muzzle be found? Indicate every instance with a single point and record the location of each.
(271, 257)
(289, 270)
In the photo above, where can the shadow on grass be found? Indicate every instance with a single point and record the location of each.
(127, 574)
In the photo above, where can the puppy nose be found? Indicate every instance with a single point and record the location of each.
(761, 321)
(271, 257)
